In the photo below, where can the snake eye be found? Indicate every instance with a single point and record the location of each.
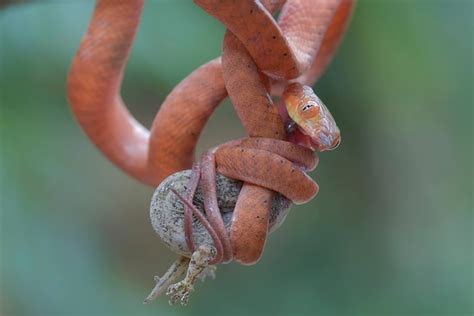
(306, 107)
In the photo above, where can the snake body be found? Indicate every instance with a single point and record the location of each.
(259, 55)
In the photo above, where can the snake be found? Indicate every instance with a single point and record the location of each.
(262, 57)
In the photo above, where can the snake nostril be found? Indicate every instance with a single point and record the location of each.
(336, 143)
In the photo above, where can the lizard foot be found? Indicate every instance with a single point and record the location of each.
(176, 270)
(180, 292)
(198, 268)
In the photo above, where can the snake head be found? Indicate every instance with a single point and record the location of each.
(316, 128)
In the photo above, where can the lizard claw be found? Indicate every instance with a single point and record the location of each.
(210, 271)
(179, 292)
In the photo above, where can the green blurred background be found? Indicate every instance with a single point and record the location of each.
(390, 232)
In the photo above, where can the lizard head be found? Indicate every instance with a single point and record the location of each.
(315, 126)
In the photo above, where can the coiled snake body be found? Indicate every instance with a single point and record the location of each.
(260, 57)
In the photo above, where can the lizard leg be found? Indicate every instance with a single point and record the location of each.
(198, 265)
(174, 271)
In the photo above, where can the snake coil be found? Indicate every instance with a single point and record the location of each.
(260, 56)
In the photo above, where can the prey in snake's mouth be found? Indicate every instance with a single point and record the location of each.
(309, 122)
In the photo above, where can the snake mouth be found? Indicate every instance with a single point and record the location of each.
(335, 143)
(294, 132)
(299, 137)
(323, 143)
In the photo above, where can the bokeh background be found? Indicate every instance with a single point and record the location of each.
(390, 232)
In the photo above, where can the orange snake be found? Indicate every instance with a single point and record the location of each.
(258, 55)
